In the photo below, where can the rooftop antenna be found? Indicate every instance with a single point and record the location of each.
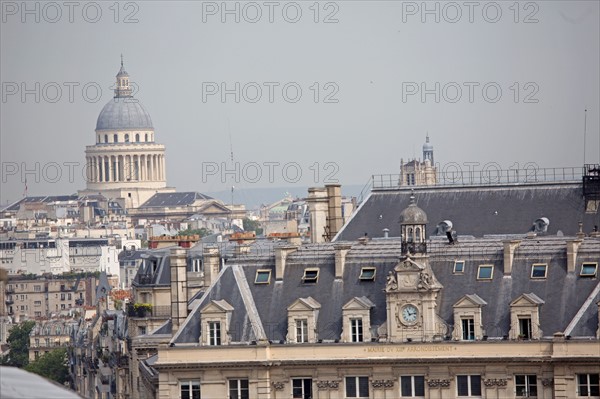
(584, 133)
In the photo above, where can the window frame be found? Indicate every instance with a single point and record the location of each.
(367, 269)
(237, 390)
(522, 332)
(413, 393)
(310, 279)
(470, 393)
(588, 385)
(263, 272)
(191, 384)
(301, 331)
(485, 266)
(534, 265)
(462, 269)
(214, 333)
(590, 275)
(357, 329)
(527, 384)
(470, 331)
(357, 385)
(304, 383)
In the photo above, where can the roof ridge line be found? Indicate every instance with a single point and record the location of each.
(249, 303)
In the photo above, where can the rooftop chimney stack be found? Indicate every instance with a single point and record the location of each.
(318, 205)
(211, 259)
(179, 298)
(335, 220)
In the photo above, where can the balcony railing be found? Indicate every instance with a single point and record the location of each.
(454, 174)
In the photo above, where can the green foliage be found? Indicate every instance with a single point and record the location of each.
(203, 232)
(18, 341)
(52, 365)
(252, 225)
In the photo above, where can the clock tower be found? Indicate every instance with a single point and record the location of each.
(412, 289)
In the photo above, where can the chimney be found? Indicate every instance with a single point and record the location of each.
(340, 258)
(281, 254)
(386, 233)
(572, 248)
(210, 259)
(335, 220)
(509, 253)
(179, 298)
(317, 205)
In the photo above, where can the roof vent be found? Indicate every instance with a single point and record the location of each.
(540, 225)
(443, 227)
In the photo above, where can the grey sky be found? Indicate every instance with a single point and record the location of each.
(370, 57)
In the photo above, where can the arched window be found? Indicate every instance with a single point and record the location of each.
(127, 138)
(418, 234)
(137, 137)
(410, 235)
(99, 140)
(115, 138)
(106, 138)
(146, 137)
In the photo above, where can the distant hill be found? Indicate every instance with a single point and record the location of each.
(253, 198)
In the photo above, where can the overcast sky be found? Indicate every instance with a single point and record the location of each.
(341, 87)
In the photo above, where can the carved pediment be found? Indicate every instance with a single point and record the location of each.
(408, 265)
(303, 304)
(217, 307)
(527, 300)
(359, 303)
(470, 301)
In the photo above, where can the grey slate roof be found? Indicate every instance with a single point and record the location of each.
(563, 293)
(174, 199)
(44, 199)
(123, 113)
(476, 210)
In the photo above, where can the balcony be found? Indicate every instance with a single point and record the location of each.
(9, 301)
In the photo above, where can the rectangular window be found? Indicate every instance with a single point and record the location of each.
(301, 330)
(538, 270)
(459, 267)
(142, 330)
(485, 272)
(525, 328)
(238, 389)
(412, 386)
(588, 269)
(367, 273)
(310, 275)
(190, 389)
(588, 385)
(302, 388)
(37, 303)
(37, 288)
(262, 276)
(214, 333)
(197, 265)
(468, 385)
(468, 329)
(356, 329)
(357, 387)
(526, 386)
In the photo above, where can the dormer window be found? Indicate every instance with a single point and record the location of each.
(367, 273)
(356, 319)
(310, 275)
(302, 320)
(215, 318)
(525, 317)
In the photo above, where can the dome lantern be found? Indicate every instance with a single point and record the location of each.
(412, 223)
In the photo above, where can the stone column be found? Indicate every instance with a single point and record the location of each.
(117, 169)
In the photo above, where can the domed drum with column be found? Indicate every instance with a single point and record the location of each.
(125, 162)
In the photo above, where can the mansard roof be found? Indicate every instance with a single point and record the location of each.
(475, 211)
(262, 309)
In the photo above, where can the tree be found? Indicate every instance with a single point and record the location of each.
(51, 365)
(18, 342)
(252, 225)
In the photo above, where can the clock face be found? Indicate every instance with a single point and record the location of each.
(410, 314)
